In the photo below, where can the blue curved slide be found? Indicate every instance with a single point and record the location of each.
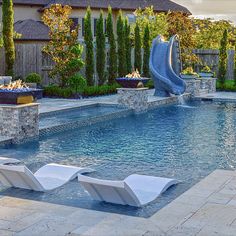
(166, 81)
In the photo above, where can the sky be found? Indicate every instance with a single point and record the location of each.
(217, 9)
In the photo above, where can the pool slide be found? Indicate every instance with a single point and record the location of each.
(162, 56)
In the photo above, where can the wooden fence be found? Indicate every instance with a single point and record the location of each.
(30, 58)
(211, 58)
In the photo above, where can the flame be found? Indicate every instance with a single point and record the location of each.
(18, 84)
(135, 74)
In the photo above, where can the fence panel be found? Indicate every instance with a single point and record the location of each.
(211, 58)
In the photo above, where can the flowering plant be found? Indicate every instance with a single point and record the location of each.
(189, 71)
(206, 69)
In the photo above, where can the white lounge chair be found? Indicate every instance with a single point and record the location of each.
(7, 161)
(47, 178)
(135, 190)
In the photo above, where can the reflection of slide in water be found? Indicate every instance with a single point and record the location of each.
(166, 81)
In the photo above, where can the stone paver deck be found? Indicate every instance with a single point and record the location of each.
(208, 208)
(219, 96)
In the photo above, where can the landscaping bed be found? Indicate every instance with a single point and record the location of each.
(229, 86)
(57, 92)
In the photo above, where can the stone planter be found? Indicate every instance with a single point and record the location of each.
(131, 82)
(209, 84)
(193, 86)
(32, 85)
(133, 98)
(188, 77)
(206, 75)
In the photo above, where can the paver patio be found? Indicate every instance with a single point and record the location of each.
(208, 208)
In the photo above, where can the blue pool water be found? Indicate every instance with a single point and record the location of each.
(186, 143)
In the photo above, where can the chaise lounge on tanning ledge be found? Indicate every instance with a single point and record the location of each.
(136, 190)
(48, 177)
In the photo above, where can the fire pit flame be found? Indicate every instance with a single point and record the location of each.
(15, 85)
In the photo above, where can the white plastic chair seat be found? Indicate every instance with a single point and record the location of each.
(7, 161)
(48, 177)
(135, 190)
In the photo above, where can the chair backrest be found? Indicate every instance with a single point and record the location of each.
(109, 191)
(19, 177)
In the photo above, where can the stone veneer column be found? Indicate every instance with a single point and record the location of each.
(21, 122)
(210, 84)
(134, 98)
(193, 86)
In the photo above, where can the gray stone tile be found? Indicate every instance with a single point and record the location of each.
(6, 233)
(191, 200)
(121, 225)
(172, 215)
(220, 198)
(183, 231)
(50, 226)
(217, 231)
(229, 188)
(26, 222)
(13, 214)
(212, 215)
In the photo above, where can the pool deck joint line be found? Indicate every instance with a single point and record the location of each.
(208, 208)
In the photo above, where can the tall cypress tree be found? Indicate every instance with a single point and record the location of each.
(137, 49)
(146, 51)
(7, 31)
(127, 46)
(121, 46)
(223, 57)
(112, 55)
(89, 57)
(235, 64)
(100, 50)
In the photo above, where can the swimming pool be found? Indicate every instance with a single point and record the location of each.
(182, 142)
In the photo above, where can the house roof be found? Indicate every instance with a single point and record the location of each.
(31, 30)
(158, 5)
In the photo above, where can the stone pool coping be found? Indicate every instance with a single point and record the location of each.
(208, 208)
(218, 97)
(13, 106)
